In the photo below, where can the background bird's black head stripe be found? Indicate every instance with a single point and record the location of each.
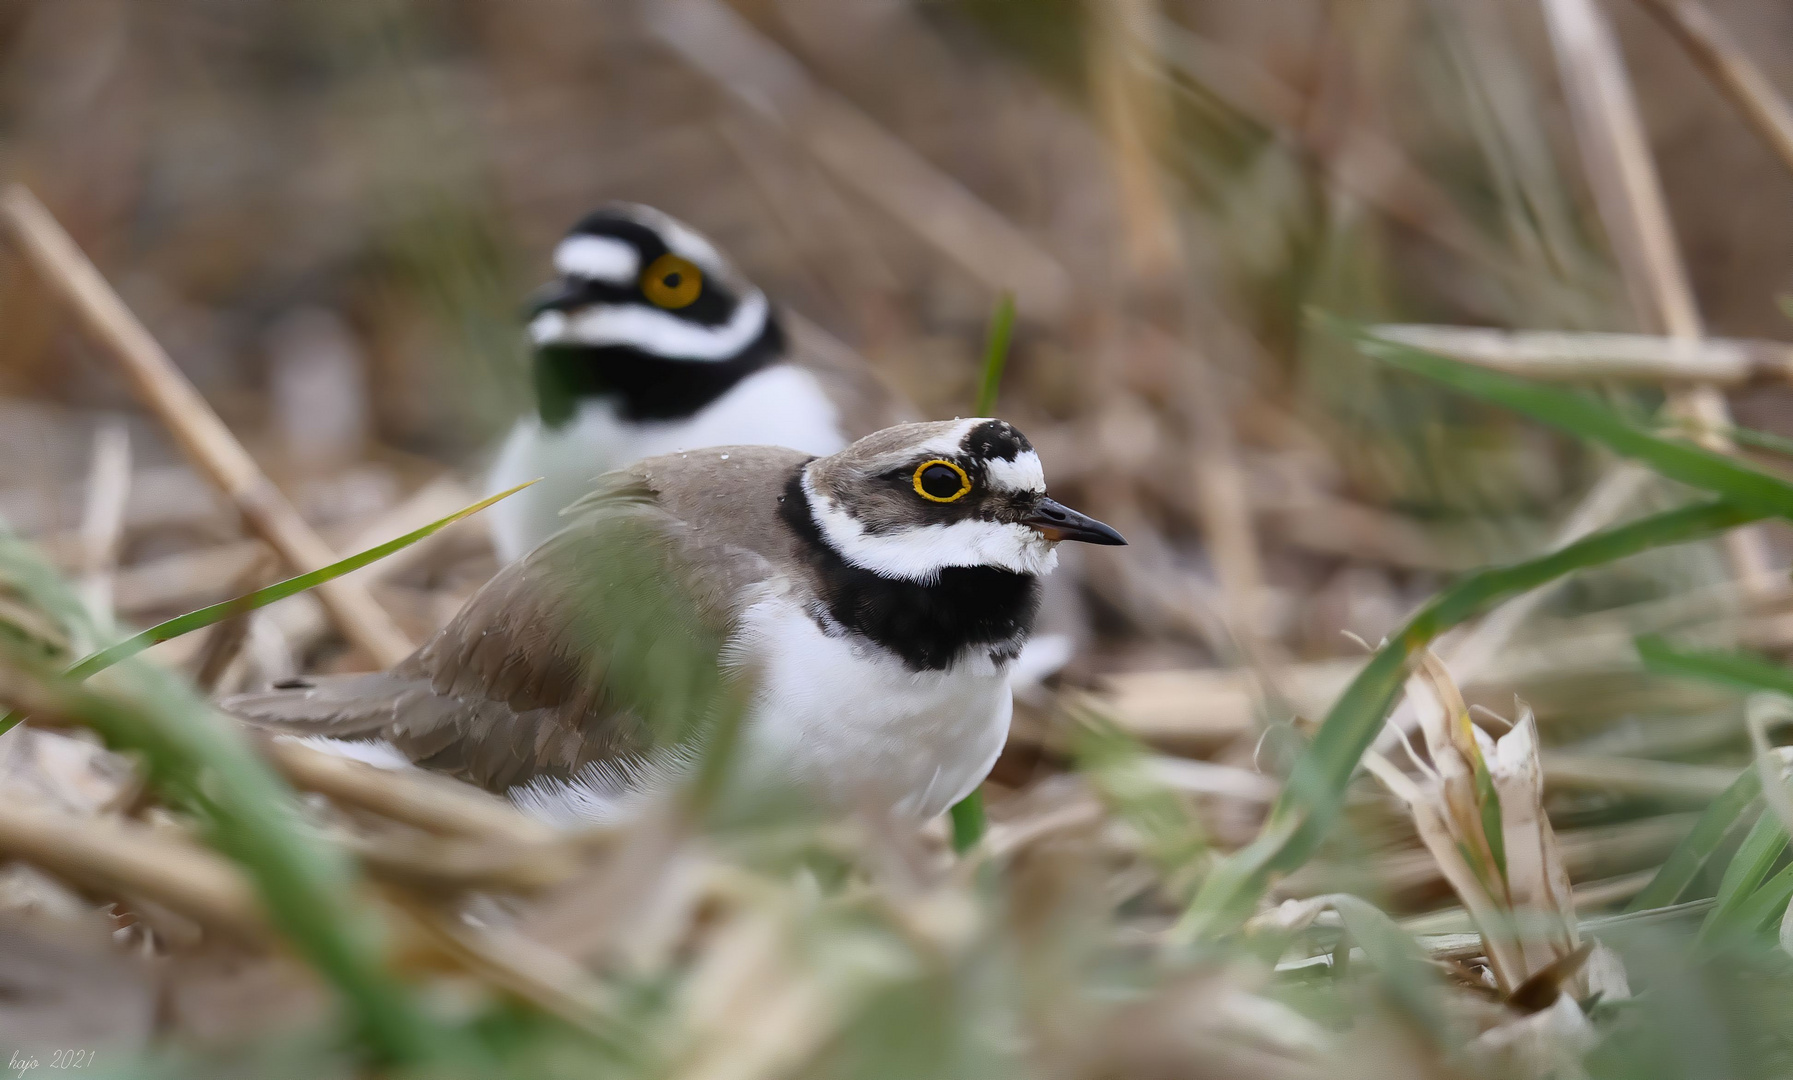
(995, 439)
(644, 385)
(714, 306)
(928, 626)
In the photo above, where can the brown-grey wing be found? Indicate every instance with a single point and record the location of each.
(599, 646)
(866, 403)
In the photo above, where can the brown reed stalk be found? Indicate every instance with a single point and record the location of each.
(168, 393)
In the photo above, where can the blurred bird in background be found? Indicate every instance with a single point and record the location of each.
(651, 342)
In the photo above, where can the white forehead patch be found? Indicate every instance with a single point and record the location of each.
(949, 443)
(598, 258)
(919, 553)
(680, 240)
(1022, 474)
(654, 331)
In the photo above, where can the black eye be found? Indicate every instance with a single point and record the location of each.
(941, 481)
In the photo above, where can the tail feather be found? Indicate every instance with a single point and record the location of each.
(337, 706)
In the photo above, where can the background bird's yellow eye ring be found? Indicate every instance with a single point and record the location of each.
(931, 496)
(672, 282)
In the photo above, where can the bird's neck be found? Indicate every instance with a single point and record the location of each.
(929, 625)
(643, 385)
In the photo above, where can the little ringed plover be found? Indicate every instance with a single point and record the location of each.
(869, 604)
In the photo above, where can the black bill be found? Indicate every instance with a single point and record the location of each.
(561, 294)
(1056, 521)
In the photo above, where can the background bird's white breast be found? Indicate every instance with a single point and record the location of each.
(778, 406)
(842, 717)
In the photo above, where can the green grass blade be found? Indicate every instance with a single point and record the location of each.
(968, 821)
(1767, 902)
(196, 761)
(1739, 671)
(996, 354)
(1406, 976)
(1582, 415)
(22, 571)
(260, 598)
(1760, 440)
(1697, 848)
(1489, 800)
(1115, 764)
(1747, 870)
(1316, 787)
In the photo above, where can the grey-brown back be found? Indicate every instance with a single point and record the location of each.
(600, 645)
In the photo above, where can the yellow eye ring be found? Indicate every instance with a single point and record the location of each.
(964, 481)
(672, 282)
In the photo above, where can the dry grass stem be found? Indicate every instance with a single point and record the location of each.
(1382, 174)
(1628, 194)
(1576, 356)
(198, 430)
(515, 964)
(595, 915)
(1616, 152)
(132, 861)
(1137, 116)
(1633, 776)
(102, 521)
(440, 866)
(185, 579)
(1473, 654)
(1722, 57)
(432, 803)
(716, 40)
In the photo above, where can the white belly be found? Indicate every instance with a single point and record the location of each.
(845, 721)
(779, 406)
(839, 722)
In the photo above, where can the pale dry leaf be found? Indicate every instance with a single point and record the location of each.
(1537, 883)
(66, 773)
(1761, 712)
(1550, 1042)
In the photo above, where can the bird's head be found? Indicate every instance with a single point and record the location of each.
(913, 500)
(644, 307)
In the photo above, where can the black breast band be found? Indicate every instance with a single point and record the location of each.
(928, 625)
(645, 386)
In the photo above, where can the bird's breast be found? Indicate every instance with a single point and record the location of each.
(844, 718)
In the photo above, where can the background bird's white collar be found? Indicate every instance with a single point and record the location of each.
(654, 331)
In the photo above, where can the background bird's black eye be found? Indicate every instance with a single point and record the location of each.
(941, 481)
